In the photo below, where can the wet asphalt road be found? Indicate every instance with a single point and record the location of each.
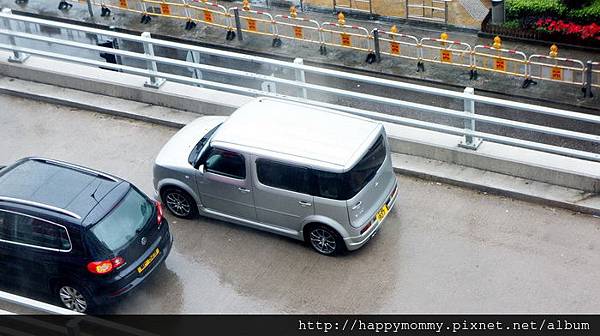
(443, 249)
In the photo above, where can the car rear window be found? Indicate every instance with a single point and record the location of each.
(346, 185)
(124, 222)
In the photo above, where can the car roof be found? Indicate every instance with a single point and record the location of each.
(316, 136)
(56, 186)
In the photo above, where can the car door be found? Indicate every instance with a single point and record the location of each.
(282, 193)
(224, 185)
(34, 248)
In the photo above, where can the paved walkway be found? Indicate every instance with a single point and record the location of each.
(475, 8)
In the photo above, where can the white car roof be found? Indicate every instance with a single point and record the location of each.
(301, 133)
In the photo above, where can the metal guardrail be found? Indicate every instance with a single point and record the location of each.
(471, 137)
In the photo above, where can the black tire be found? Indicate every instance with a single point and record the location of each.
(325, 240)
(179, 203)
(74, 297)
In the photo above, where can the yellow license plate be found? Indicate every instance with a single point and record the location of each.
(148, 261)
(382, 212)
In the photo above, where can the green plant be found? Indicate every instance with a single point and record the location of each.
(512, 24)
(516, 9)
(520, 9)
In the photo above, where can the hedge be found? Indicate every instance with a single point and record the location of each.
(521, 9)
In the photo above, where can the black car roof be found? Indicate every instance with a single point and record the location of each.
(56, 186)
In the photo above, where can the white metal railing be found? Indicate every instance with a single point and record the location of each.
(155, 78)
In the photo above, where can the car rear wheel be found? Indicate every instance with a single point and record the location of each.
(325, 240)
(180, 203)
(74, 299)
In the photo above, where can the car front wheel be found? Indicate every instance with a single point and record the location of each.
(180, 203)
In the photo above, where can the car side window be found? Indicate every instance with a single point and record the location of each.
(226, 163)
(7, 225)
(31, 231)
(283, 176)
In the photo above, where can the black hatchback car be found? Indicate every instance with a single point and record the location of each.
(81, 235)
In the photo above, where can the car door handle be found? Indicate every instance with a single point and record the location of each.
(357, 205)
(304, 204)
(244, 190)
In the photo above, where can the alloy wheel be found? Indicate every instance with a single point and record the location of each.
(323, 241)
(178, 204)
(73, 299)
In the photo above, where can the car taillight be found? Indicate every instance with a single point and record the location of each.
(366, 227)
(159, 212)
(105, 266)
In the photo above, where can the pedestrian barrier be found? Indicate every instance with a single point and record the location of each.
(428, 10)
(107, 6)
(495, 59)
(211, 14)
(256, 22)
(297, 28)
(170, 9)
(595, 69)
(342, 35)
(553, 68)
(399, 45)
(444, 51)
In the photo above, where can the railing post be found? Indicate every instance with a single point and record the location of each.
(406, 9)
(154, 81)
(238, 24)
(469, 141)
(90, 8)
(17, 57)
(301, 77)
(376, 45)
(446, 11)
(587, 88)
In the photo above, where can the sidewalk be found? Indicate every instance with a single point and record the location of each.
(547, 93)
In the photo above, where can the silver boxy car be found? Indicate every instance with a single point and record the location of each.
(309, 173)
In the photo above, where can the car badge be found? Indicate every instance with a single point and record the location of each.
(144, 241)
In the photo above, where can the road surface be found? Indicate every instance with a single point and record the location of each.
(443, 249)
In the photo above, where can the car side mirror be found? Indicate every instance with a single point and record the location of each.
(201, 168)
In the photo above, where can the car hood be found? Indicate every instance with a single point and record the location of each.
(176, 151)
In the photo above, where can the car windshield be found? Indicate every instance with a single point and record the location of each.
(195, 154)
(124, 222)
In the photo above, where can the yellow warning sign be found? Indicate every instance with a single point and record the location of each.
(345, 39)
(499, 64)
(208, 16)
(446, 56)
(395, 48)
(165, 9)
(557, 73)
(251, 24)
(298, 33)
(123, 4)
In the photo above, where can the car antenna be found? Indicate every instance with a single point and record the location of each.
(94, 193)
